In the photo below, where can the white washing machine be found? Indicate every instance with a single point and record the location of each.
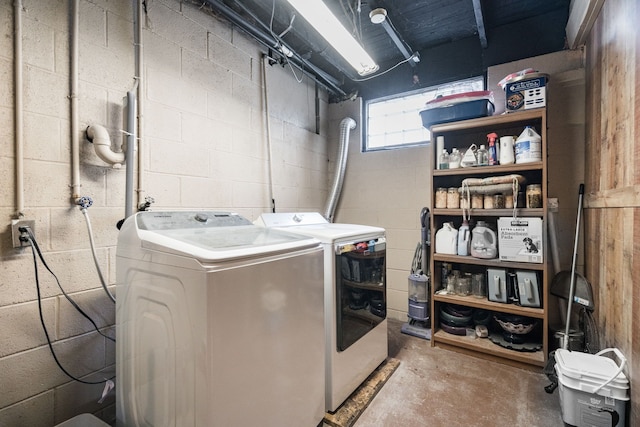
(354, 297)
(219, 323)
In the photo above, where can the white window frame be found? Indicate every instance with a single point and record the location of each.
(393, 122)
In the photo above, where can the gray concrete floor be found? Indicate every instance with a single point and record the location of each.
(437, 387)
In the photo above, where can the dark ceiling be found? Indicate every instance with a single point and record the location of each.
(454, 38)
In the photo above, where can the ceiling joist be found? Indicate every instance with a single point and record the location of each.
(477, 10)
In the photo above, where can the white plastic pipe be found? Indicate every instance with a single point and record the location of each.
(138, 16)
(19, 140)
(265, 59)
(102, 144)
(75, 140)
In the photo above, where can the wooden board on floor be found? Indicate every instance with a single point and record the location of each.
(351, 409)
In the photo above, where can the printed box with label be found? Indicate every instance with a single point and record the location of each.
(526, 92)
(520, 239)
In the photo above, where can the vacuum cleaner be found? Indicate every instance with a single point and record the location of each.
(418, 324)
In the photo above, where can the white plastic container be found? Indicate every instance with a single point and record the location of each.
(464, 239)
(528, 146)
(447, 239)
(593, 390)
(484, 242)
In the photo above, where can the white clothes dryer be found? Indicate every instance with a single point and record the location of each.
(354, 297)
(218, 322)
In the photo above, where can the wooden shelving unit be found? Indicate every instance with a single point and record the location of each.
(461, 135)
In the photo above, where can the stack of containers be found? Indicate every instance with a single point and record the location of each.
(593, 389)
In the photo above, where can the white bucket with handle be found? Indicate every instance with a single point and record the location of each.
(593, 389)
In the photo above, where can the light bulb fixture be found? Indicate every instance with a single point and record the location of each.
(320, 17)
(378, 15)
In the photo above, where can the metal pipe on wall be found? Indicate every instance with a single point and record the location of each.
(270, 42)
(18, 116)
(346, 125)
(131, 148)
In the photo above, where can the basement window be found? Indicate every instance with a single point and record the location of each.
(395, 122)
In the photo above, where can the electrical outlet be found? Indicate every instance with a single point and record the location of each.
(552, 203)
(15, 231)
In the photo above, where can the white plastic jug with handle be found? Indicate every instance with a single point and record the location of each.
(528, 146)
(464, 239)
(447, 239)
(483, 241)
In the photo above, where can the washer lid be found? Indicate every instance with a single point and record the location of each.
(313, 224)
(207, 236)
(287, 219)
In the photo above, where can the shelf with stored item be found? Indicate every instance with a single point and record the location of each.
(515, 300)
(368, 285)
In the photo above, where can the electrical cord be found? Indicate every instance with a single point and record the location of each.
(34, 249)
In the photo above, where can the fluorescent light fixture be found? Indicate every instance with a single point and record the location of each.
(320, 17)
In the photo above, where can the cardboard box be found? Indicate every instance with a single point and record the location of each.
(520, 239)
(526, 92)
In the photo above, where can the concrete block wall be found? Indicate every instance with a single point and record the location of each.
(205, 139)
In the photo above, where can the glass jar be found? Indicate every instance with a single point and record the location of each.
(478, 286)
(441, 198)
(508, 201)
(452, 284)
(534, 196)
(488, 201)
(453, 198)
(464, 285)
(477, 201)
(498, 201)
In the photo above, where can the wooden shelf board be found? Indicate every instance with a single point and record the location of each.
(489, 169)
(488, 262)
(494, 121)
(482, 303)
(486, 347)
(491, 212)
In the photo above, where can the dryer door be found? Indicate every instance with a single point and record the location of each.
(361, 297)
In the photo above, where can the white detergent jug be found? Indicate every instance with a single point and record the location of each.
(464, 239)
(528, 146)
(483, 241)
(447, 239)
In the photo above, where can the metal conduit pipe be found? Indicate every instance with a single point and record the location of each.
(270, 42)
(17, 80)
(131, 148)
(73, 97)
(139, 58)
(346, 125)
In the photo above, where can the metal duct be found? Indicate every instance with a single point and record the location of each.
(346, 125)
(272, 43)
